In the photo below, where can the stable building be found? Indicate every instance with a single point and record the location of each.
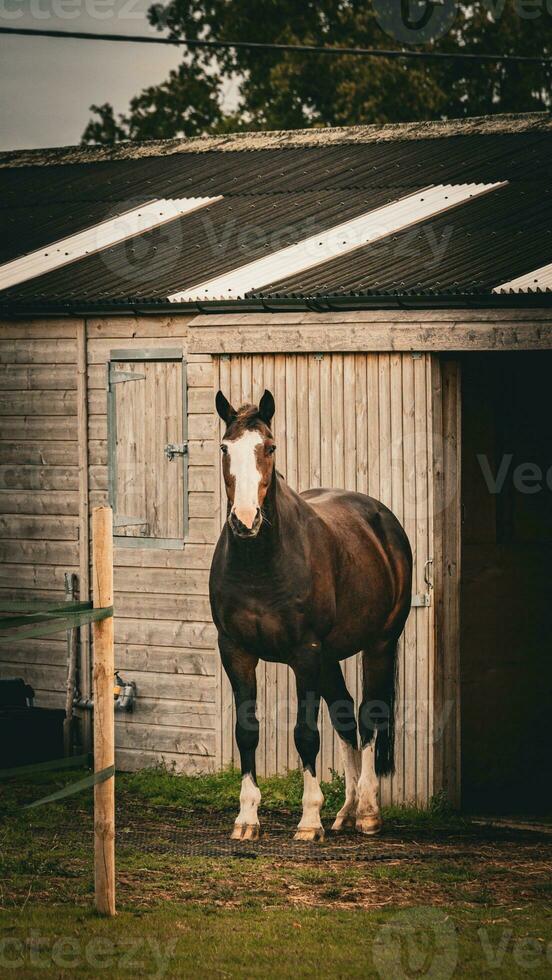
(391, 286)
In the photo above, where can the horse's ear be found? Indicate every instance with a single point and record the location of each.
(267, 407)
(224, 408)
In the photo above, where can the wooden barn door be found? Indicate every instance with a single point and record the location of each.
(362, 422)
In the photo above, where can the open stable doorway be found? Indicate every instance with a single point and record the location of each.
(506, 598)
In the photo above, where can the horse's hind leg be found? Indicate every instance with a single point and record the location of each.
(376, 724)
(240, 668)
(342, 713)
(307, 740)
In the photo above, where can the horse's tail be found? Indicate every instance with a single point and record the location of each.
(380, 673)
(385, 741)
(377, 713)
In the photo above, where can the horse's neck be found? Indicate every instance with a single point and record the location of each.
(282, 512)
(284, 509)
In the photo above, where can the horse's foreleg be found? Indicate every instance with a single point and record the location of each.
(307, 741)
(240, 668)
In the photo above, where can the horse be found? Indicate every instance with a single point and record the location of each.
(308, 579)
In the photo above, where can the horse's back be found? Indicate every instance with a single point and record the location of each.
(347, 505)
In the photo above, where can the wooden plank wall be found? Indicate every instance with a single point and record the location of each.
(39, 485)
(164, 637)
(355, 420)
(163, 630)
(373, 330)
(364, 422)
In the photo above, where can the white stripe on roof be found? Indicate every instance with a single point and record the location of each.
(136, 221)
(540, 278)
(336, 241)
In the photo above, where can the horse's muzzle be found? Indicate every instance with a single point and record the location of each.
(241, 530)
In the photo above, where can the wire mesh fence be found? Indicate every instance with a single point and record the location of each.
(177, 832)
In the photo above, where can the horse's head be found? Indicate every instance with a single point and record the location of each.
(247, 461)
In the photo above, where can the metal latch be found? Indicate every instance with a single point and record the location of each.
(421, 599)
(424, 598)
(176, 449)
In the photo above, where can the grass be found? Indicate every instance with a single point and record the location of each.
(160, 786)
(485, 912)
(220, 792)
(183, 941)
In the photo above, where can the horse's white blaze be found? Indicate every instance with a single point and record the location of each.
(243, 467)
(250, 797)
(312, 803)
(368, 784)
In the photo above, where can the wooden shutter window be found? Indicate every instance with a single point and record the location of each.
(147, 447)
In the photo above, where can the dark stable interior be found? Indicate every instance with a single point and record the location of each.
(506, 600)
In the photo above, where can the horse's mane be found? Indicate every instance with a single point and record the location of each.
(248, 418)
(247, 415)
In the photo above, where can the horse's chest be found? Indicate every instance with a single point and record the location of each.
(267, 629)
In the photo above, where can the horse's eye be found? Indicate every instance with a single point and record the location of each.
(224, 450)
(271, 450)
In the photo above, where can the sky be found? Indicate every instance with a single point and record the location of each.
(47, 85)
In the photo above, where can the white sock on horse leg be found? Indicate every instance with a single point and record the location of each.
(312, 803)
(351, 765)
(368, 810)
(250, 797)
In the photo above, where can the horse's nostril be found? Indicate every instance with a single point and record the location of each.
(242, 529)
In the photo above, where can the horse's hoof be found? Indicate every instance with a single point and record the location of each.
(246, 831)
(316, 834)
(346, 822)
(369, 825)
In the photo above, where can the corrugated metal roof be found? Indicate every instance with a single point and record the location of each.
(100, 237)
(220, 237)
(278, 192)
(342, 240)
(491, 239)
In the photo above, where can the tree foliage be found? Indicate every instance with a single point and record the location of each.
(287, 90)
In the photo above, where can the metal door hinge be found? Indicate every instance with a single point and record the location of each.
(176, 449)
(117, 377)
(120, 520)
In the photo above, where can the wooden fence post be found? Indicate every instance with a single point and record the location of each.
(104, 712)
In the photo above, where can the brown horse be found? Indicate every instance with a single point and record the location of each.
(307, 580)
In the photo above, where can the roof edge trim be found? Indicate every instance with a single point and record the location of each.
(313, 304)
(325, 136)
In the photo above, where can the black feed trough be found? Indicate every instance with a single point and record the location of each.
(27, 734)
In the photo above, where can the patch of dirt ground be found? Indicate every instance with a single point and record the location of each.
(166, 854)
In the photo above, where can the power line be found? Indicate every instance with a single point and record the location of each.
(301, 48)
